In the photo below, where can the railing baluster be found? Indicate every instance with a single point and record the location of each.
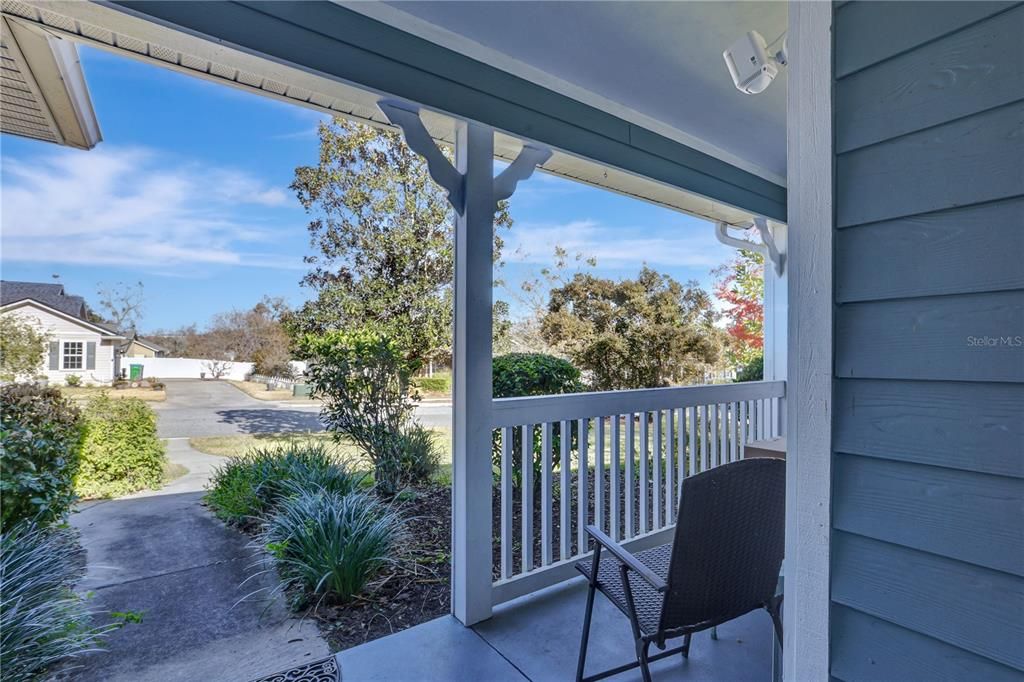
(506, 502)
(713, 459)
(582, 497)
(630, 454)
(599, 473)
(615, 505)
(704, 438)
(723, 423)
(546, 496)
(681, 452)
(656, 458)
(645, 473)
(743, 429)
(670, 489)
(565, 488)
(760, 420)
(526, 491)
(734, 431)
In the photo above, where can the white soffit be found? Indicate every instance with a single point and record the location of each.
(43, 94)
(656, 64)
(108, 28)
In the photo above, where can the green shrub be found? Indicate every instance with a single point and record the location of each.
(420, 454)
(524, 374)
(366, 384)
(248, 487)
(41, 435)
(42, 620)
(329, 545)
(22, 347)
(73, 380)
(752, 371)
(439, 383)
(120, 452)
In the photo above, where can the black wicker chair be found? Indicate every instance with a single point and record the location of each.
(724, 562)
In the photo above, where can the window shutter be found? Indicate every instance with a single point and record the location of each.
(90, 355)
(54, 355)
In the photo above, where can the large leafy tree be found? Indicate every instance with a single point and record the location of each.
(22, 347)
(636, 333)
(740, 284)
(382, 240)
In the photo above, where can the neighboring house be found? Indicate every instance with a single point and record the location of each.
(138, 347)
(76, 345)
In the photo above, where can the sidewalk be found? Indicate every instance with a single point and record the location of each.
(164, 554)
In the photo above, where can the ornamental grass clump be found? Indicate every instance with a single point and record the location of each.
(247, 488)
(42, 620)
(327, 545)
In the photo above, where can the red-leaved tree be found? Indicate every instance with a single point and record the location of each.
(740, 284)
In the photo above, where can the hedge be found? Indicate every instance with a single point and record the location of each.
(41, 432)
(120, 451)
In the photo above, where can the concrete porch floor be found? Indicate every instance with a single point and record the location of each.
(537, 638)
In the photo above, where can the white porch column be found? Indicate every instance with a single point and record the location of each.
(776, 311)
(809, 388)
(471, 377)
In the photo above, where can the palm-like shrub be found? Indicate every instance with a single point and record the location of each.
(42, 621)
(248, 487)
(328, 545)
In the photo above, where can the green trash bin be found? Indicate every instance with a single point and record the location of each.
(135, 372)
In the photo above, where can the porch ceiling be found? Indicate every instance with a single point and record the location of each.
(657, 64)
(134, 34)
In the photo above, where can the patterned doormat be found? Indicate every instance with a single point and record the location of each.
(318, 671)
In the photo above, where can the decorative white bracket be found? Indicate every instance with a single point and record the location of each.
(407, 117)
(766, 248)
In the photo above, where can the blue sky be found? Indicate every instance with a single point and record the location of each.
(188, 193)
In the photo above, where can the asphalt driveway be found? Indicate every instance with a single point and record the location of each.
(216, 408)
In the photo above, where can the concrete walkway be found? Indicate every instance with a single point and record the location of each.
(164, 554)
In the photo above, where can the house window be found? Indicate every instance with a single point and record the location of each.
(73, 354)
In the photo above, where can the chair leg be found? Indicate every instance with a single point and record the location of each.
(642, 649)
(714, 632)
(586, 633)
(686, 646)
(775, 612)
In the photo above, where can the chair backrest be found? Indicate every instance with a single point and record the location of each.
(729, 541)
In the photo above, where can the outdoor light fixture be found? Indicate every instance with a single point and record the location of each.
(751, 66)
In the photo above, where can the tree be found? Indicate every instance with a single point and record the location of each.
(740, 284)
(22, 347)
(534, 293)
(120, 305)
(641, 333)
(256, 335)
(383, 241)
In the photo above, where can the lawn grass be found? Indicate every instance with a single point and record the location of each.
(172, 471)
(238, 445)
(437, 386)
(86, 392)
(259, 391)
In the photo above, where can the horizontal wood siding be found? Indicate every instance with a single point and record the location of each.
(928, 255)
(928, 423)
(969, 426)
(866, 646)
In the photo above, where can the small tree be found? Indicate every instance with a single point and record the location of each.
(740, 284)
(218, 369)
(366, 383)
(22, 347)
(120, 304)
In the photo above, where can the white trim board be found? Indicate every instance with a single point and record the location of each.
(809, 389)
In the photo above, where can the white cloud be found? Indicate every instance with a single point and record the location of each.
(130, 206)
(695, 246)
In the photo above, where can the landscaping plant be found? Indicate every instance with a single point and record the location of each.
(327, 545)
(22, 347)
(41, 433)
(524, 374)
(366, 383)
(249, 487)
(73, 380)
(42, 620)
(120, 452)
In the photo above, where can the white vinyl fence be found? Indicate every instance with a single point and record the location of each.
(193, 368)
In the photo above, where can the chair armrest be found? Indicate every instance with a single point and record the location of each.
(630, 561)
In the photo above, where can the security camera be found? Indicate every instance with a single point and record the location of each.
(751, 66)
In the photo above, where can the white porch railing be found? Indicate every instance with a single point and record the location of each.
(620, 468)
